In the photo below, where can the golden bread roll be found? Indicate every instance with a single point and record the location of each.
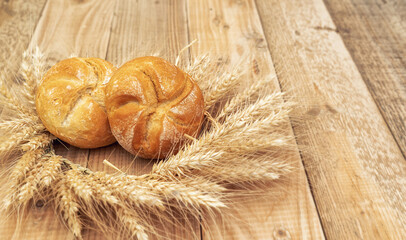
(151, 104)
(70, 101)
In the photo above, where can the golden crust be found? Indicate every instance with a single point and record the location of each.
(70, 101)
(151, 104)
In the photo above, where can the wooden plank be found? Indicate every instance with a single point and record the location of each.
(18, 19)
(143, 28)
(67, 27)
(374, 33)
(75, 27)
(355, 167)
(230, 30)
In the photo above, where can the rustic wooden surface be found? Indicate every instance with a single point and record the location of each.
(342, 61)
(354, 165)
(374, 33)
(230, 30)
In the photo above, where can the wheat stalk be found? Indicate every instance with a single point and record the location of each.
(37, 175)
(7, 100)
(32, 69)
(244, 142)
(15, 124)
(17, 176)
(224, 141)
(13, 141)
(23, 166)
(124, 188)
(38, 141)
(243, 98)
(187, 192)
(131, 222)
(78, 183)
(223, 85)
(50, 171)
(67, 205)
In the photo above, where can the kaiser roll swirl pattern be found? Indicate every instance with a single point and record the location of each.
(151, 104)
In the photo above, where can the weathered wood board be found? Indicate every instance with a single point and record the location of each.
(232, 31)
(341, 61)
(374, 33)
(354, 165)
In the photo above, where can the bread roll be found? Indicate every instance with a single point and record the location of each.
(70, 101)
(151, 104)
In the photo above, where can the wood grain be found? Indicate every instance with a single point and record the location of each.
(231, 31)
(143, 28)
(374, 33)
(66, 27)
(355, 167)
(74, 27)
(18, 19)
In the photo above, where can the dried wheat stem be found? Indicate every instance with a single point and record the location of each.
(32, 69)
(199, 70)
(101, 191)
(196, 193)
(39, 141)
(45, 171)
(66, 203)
(132, 223)
(50, 172)
(130, 190)
(25, 163)
(26, 191)
(213, 121)
(249, 170)
(215, 146)
(109, 164)
(189, 137)
(223, 87)
(269, 105)
(23, 135)
(77, 182)
(198, 67)
(11, 102)
(187, 160)
(184, 49)
(9, 125)
(245, 97)
(18, 177)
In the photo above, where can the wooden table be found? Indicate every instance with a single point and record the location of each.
(343, 61)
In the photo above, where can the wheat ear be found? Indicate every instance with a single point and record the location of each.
(220, 143)
(67, 205)
(32, 69)
(245, 97)
(224, 85)
(131, 222)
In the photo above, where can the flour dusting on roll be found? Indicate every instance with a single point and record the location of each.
(151, 105)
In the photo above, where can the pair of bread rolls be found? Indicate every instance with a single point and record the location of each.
(147, 105)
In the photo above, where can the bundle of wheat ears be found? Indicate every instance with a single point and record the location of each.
(243, 146)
